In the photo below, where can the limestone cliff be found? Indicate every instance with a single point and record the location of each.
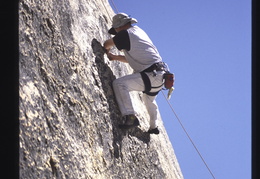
(68, 113)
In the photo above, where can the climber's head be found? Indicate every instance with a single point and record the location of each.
(120, 20)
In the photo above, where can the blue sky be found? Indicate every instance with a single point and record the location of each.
(207, 44)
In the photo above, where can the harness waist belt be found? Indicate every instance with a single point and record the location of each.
(156, 66)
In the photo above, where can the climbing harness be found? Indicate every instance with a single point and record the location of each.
(168, 78)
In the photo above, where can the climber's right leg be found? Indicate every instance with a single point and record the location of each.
(122, 87)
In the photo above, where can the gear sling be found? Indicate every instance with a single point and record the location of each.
(168, 78)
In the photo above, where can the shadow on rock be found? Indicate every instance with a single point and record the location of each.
(138, 133)
(106, 76)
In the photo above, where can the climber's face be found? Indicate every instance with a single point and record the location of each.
(119, 29)
(124, 27)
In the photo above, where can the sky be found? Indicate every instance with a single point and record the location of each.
(207, 45)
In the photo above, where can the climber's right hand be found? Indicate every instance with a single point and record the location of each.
(111, 56)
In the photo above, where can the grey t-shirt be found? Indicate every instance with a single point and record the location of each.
(138, 48)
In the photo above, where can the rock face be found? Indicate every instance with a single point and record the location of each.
(68, 113)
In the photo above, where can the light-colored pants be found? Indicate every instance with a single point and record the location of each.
(134, 82)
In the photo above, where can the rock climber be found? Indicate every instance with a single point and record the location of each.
(144, 58)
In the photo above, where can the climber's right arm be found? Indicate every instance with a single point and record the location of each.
(120, 58)
(108, 44)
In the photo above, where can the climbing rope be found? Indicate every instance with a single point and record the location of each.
(114, 7)
(187, 134)
(106, 10)
(113, 4)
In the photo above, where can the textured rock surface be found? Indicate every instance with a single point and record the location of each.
(68, 113)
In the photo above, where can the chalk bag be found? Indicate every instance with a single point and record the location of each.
(168, 80)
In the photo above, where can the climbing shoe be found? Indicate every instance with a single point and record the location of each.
(154, 131)
(131, 121)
